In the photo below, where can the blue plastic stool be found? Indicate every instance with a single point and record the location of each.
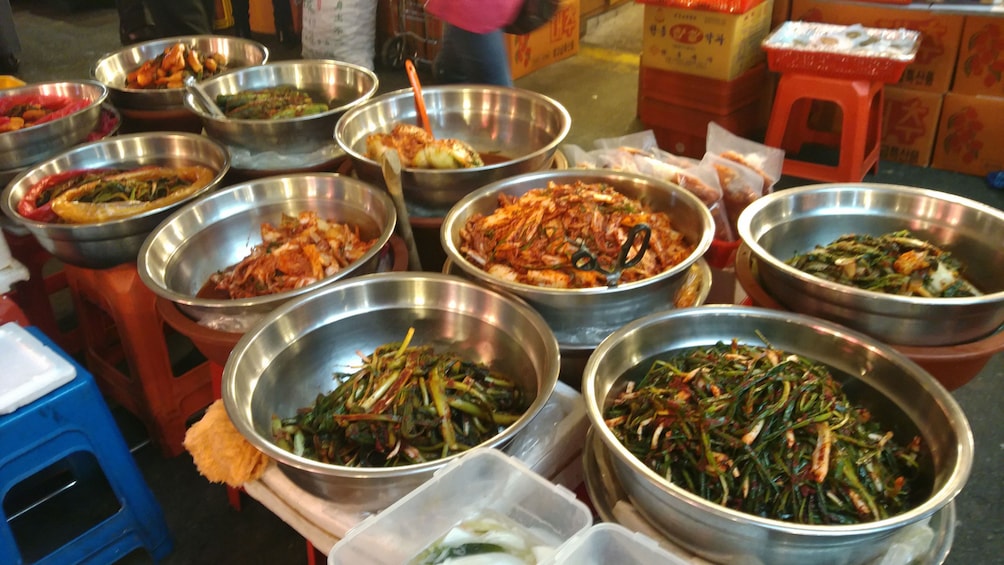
(73, 419)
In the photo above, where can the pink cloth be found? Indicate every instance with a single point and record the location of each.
(477, 16)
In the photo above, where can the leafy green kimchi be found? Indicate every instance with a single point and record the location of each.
(893, 263)
(406, 404)
(764, 432)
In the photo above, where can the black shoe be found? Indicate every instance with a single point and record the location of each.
(9, 64)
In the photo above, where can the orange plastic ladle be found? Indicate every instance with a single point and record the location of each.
(416, 86)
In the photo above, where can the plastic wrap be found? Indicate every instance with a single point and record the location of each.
(639, 153)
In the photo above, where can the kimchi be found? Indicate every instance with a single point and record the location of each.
(299, 251)
(532, 238)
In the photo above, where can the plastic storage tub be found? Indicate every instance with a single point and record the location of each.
(838, 51)
(33, 370)
(483, 482)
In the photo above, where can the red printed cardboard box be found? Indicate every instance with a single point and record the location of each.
(557, 40)
(969, 134)
(980, 69)
(909, 124)
(934, 66)
(711, 44)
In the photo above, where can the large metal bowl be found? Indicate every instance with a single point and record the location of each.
(795, 220)
(520, 126)
(111, 69)
(27, 146)
(217, 231)
(584, 316)
(341, 85)
(284, 362)
(899, 394)
(107, 244)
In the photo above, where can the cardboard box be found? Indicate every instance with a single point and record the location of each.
(557, 40)
(934, 66)
(980, 68)
(969, 133)
(909, 123)
(704, 43)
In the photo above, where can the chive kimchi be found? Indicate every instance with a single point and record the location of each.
(764, 432)
(405, 405)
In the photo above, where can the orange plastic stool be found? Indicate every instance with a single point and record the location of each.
(34, 296)
(860, 102)
(120, 323)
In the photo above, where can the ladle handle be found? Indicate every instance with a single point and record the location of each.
(390, 165)
(416, 86)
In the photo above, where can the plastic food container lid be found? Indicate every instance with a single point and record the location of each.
(32, 368)
(612, 543)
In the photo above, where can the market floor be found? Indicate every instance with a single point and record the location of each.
(62, 39)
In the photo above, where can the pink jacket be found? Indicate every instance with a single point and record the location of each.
(477, 16)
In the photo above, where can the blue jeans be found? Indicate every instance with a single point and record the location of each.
(472, 58)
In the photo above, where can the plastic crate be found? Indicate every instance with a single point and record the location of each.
(710, 95)
(838, 51)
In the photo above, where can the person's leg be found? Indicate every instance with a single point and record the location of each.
(134, 23)
(474, 58)
(182, 17)
(282, 14)
(242, 17)
(10, 44)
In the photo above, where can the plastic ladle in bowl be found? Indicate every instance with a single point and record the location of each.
(416, 86)
(204, 100)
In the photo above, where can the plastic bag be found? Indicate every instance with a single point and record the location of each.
(343, 30)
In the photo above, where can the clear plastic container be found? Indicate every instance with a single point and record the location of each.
(482, 482)
(608, 543)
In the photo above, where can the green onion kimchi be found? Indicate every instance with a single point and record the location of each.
(892, 263)
(764, 432)
(405, 405)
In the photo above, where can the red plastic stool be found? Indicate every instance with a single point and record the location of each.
(860, 103)
(34, 296)
(119, 322)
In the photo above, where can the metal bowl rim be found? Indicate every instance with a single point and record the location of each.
(745, 221)
(189, 300)
(938, 498)
(99, 101)
(363, 71)
(566, 125)
(326, 469)
(84, 229)
(167, 40)
(458, 259)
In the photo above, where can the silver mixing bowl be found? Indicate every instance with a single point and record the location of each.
(899, 394)
(107, 244)
(584, 316)
(111, 69)
(341, 85)
(795, 220)
(520, 126)
(220, 230)
(27, 146)
(284, 362)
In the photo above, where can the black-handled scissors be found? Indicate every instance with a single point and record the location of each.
(585, 260)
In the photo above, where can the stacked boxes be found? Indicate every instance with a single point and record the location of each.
(556, 40)
(699, 66)
(947, 111)
(969, 135)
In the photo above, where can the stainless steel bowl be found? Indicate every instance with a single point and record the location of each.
(217, 231)
(520, 126)
(899, 394)
(107, 244)
(285, 361)
(341, 85)
(795, 220)
(27, 146)
(111, 69)
(585, 316)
